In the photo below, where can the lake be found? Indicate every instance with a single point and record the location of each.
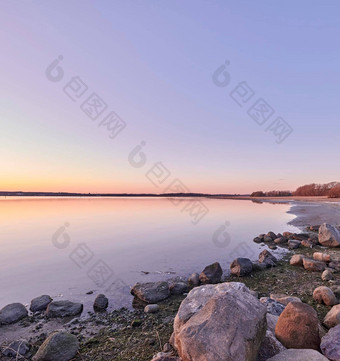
(66, 247)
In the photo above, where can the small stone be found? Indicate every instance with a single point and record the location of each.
(12, 313)
(59, 346)
(324, 295)
(293, 244)
(313, 266)
(267, 258)
(63, 309)
(151, 292)
(327, 275)
(273, 307)
(101, 303)
(284, 299)
(151, 308)
(20, 347)
(257, 240)
(322, 257)
(211, 274)
(194, 280)
(297, 260)
(307, 243)
(272, 235)
(40, 303)
(333, 317)
(241, 267)
(272, 246)
(178, 288)
(280, 240)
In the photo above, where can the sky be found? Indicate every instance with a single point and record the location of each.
(185, 80)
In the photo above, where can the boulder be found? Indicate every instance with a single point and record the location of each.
(330, 345)
(151, 292)
(270, 346)
(220, 322)
(241, 267)
(300, 236)
(307, 243)
(329, 236)
(267, 258)
(100, 303)
(327, 275)
(293, 244)
(63, 309)
(324, 295)
(12, 313)
(298, 327)
(40, 303)
(59, 346)
(333, 317)
(299, 355)
(322, 257)
(267, 239)
(272, 235)
(313, 266)
(297, 260)
(287, 234)
(194, 280)
(273, 307)
(280, 240)
(257, 240)
(284, 299)
(178, 288)
(15, 348)
(211, 274)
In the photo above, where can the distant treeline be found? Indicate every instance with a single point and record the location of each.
(330, 190)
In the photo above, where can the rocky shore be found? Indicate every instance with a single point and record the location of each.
(257, 310)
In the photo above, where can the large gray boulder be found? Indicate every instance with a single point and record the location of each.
(330, 345)
(63, 309)
(329, 236)
(151, 292)
(299, 355)
(40, 303)
(223, 322)
(59, 346)
(12, 313)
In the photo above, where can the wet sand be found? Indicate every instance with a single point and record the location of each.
(315, 213)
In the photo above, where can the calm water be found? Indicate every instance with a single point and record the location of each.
(67, 247)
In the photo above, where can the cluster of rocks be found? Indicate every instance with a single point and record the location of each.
(227, 322)
(58, 346)
(328, 236)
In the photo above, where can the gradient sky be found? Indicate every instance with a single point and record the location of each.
(152, 63)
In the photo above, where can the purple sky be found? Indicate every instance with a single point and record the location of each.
(152, 63)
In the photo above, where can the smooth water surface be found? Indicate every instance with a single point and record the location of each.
(66, 247)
